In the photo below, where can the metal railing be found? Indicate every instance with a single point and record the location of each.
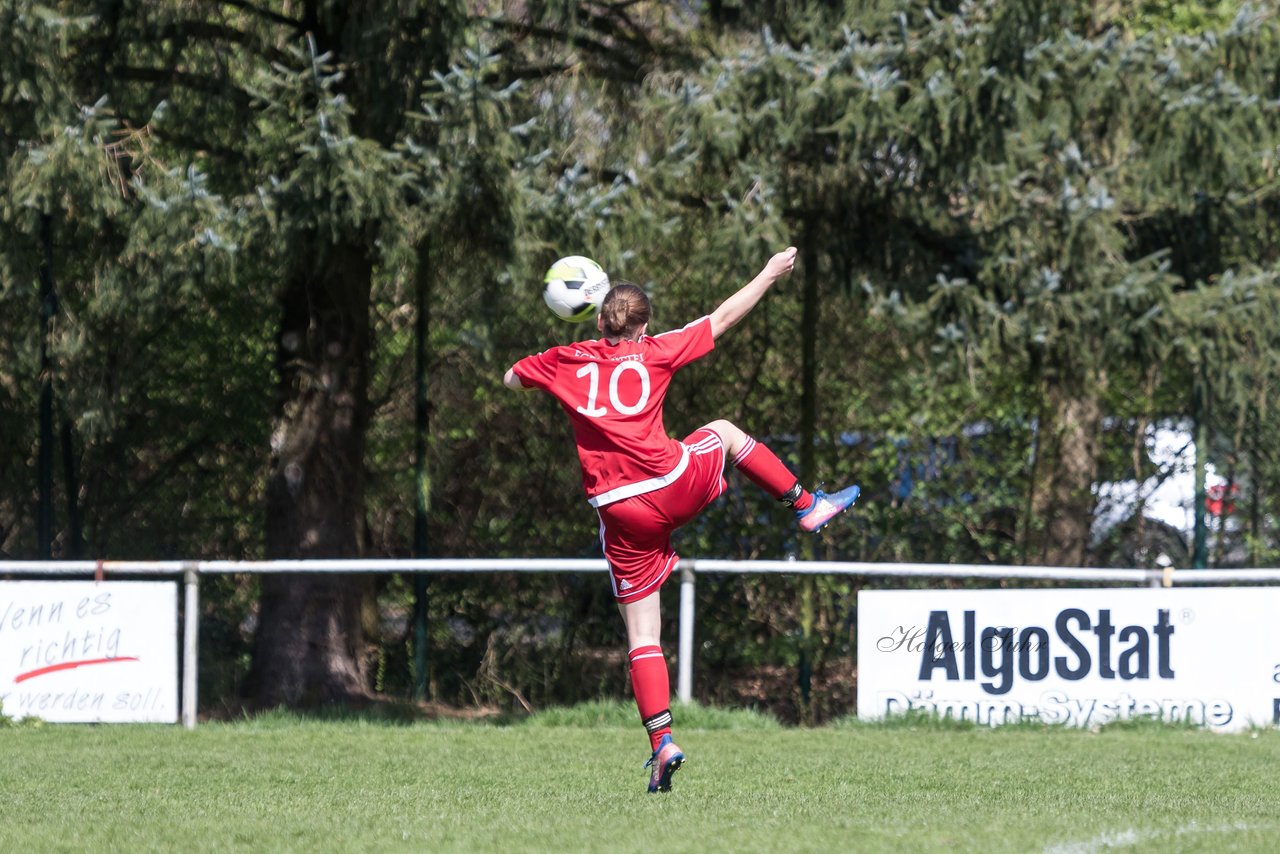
(191, 570)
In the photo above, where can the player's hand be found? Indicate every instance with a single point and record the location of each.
(782, 263)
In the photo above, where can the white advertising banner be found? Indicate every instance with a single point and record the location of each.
(83, 651)
(1209, 656)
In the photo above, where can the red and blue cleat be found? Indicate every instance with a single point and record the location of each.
(825, 508)
(665, 761)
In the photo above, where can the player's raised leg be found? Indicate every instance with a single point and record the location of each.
(763, 468)
(651, 683)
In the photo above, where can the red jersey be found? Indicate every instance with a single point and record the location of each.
(613, 394)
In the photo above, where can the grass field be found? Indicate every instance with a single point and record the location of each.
(572, 780)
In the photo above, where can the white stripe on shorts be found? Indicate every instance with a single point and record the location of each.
(706, 446)
(666, 571)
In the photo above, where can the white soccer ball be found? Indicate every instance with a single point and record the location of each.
(574, 287)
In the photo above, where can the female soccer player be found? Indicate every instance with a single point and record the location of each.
(645, 484)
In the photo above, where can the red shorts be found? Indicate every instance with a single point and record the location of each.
(636, 532)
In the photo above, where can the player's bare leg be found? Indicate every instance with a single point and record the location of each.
(651, 684)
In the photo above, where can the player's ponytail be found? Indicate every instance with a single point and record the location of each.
(625, 311)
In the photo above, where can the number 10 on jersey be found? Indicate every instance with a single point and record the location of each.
(592, 372)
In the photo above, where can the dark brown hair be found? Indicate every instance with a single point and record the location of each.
(625, 309)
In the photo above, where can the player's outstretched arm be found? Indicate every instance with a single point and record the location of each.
(512, 381)
(736, 307)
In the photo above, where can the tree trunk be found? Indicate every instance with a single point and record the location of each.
(1065, 504)
(808, 465)
(310, 646)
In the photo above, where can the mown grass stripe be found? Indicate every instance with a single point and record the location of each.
(282, 783)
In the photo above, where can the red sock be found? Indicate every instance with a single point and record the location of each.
(766, 471)
(652, 687)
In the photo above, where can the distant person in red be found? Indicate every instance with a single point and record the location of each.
(643, 483)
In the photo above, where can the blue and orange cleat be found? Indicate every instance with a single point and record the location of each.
(666, 760)
(825, 508)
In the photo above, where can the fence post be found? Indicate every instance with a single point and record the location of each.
(684, 679)
(190, 641)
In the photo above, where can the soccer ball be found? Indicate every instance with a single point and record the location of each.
(574, 287)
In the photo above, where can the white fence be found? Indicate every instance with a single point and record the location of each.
(191, 570)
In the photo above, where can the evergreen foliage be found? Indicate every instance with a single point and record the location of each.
(1029, 231)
